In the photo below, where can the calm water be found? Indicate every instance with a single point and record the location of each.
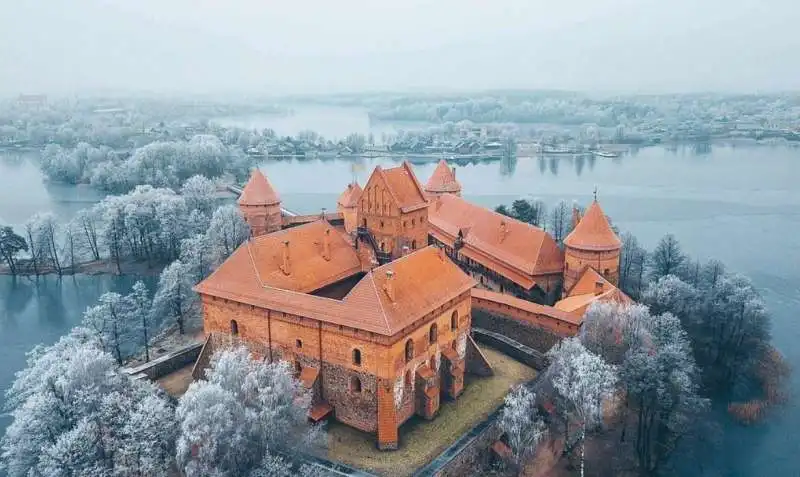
(739, 205)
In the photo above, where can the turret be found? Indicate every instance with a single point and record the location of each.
(443, 181)
(260, 205)
(348, 206)
(592, 243)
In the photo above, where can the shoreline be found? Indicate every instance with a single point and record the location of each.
(93, 267)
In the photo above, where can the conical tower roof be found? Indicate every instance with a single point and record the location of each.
(351, 195)
(258, 191)
(443, 179)
(593, 232)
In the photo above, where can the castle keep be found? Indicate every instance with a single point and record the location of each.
(373, 304)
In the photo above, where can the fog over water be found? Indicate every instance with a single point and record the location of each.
(320, 46)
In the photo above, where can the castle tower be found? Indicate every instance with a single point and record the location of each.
(591, 244)
(348, 206)
(260, 205)
(394, 210)
(443, 181)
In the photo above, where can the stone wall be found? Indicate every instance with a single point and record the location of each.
(535, 337)
(356, 409)
(167, 364)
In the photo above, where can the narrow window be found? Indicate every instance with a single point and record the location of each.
(605, 272)
(413, 245)
(413, 222)
(454, 320)
(381, 223)
(409, 350)
(298, 343)
(234, 328)
(433, 334)
(355, 384)
(357, 357)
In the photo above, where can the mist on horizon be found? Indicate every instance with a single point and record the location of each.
(307, 46)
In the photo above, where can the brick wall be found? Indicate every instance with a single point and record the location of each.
(537, 338)
(576, 260)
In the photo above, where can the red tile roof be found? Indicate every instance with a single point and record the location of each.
(309, 270)
(403, 185)
(421, 282)
(585, 292)
(520, 253)
(258, 191)
(350, 196)
(443, 179)
(593, 232)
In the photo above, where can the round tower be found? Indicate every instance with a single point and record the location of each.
(592, 243)
(260, 205)
(443, 181)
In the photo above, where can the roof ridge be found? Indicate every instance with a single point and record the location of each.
(407, 167)
(380, 302)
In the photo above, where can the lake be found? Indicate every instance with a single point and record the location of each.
(739, 205)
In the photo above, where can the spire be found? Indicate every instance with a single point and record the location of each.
(258, 191)
(593, 232)
(595, 193)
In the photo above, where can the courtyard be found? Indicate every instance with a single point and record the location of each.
(420, 440)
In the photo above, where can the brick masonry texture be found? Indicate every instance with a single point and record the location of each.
(537, 338)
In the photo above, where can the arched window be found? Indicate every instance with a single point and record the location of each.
(381, 223)
(357, 357)
(413, 222)
(234, 328)
(355, 384)
(433, 334)
(454, 320)
(409, 350)
(413, 245)
(605, 272)
(298, 343)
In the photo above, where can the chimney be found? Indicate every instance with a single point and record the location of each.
(286, 267)
(388, 287)
(598, 287)
(326, 245)
(503, 230)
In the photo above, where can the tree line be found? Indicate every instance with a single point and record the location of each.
(75, 412)
(148, 224)
(644, 376)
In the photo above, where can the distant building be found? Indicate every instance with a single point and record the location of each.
(443, 181)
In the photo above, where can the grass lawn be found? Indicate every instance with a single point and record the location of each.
(420, 440)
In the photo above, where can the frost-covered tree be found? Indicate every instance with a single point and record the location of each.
(227, 231)
(87, 221)
(199, 193)
(234, 421)
(583, 381)
(43, 231)
(610, 330)
(671, 294)
(197, 254)
(74, 413)
(174, 298)
(11, 244)
(522, 425)
(632, 264)
(142, 320)
(560, 221)
(667, 258)
(661, 382)
(110, 321)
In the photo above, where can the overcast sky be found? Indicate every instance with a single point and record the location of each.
(297, 46)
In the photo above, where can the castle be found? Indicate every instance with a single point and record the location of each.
(373, 304)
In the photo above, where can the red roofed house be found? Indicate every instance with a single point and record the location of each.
(394, 210)
(348, 206)
(502, 253)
